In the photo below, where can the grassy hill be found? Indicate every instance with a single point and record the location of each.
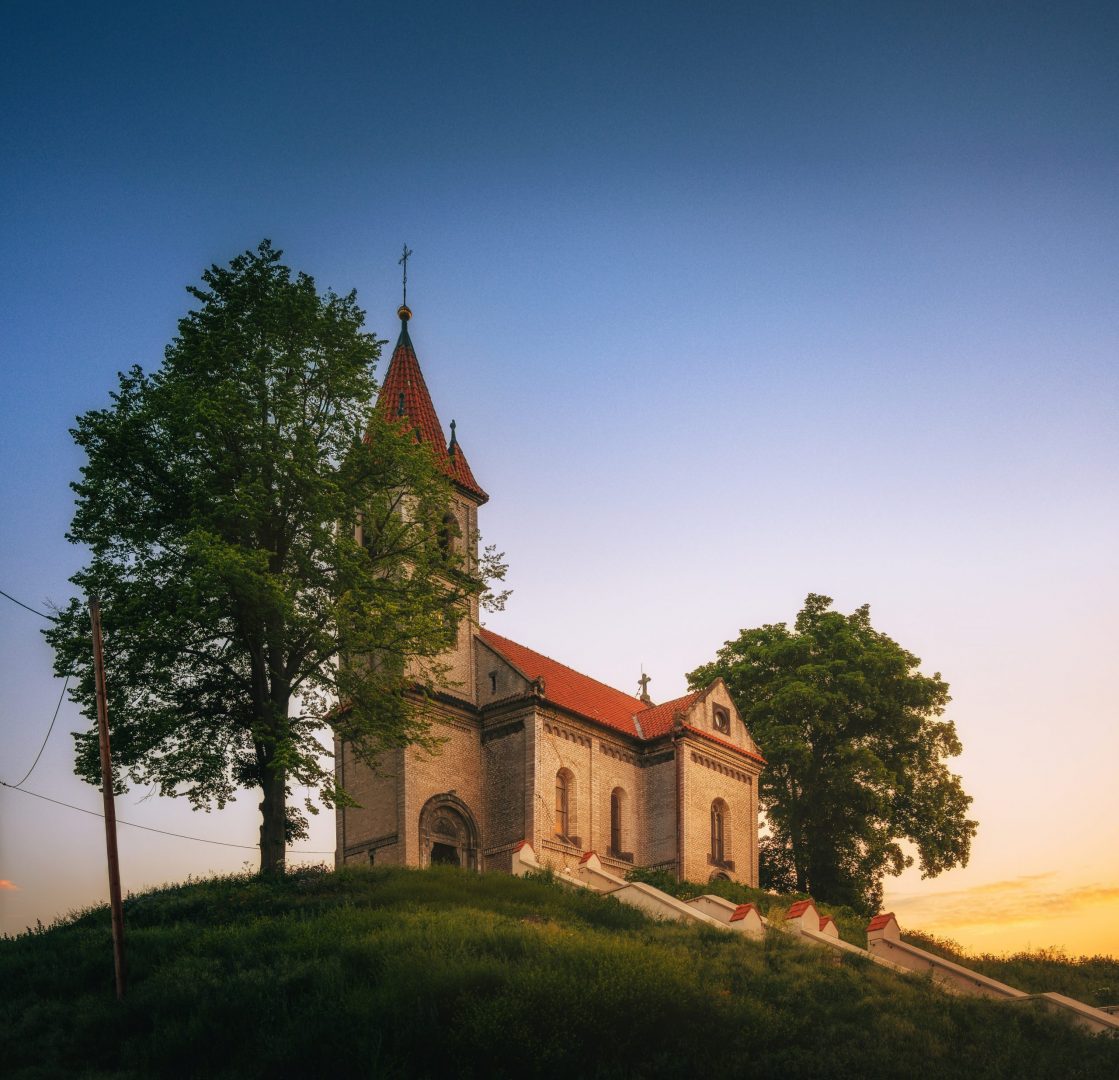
(381, 972)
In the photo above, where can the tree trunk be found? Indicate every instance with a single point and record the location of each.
(273, 821)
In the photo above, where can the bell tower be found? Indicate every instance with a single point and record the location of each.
(403, 394)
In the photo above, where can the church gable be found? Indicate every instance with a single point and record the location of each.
(496, 678)
(712, 713)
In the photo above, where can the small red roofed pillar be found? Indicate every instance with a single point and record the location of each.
(803, 915)
(590, 860)
(828, 926)
(524, 859)
(883, 926)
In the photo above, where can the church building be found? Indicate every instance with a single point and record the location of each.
(536, 751)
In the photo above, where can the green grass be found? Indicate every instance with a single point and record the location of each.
(382, 972)
(1091, 979)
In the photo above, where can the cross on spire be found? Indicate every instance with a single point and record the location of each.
(403, 261)
(644, 684)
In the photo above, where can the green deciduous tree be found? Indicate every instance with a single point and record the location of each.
(240, 603)
(856, 751)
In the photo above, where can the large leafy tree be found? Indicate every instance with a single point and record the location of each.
(264, 545)
(855, 744)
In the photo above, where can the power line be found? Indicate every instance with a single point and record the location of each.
(69, 806)
(28, 607)
(45, 737)
(148, 828)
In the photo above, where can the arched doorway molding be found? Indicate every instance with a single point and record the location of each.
(448, 833)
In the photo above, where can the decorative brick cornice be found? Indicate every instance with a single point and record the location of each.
(577, 737)
(720, 767)
(617, 753)
(687, 729)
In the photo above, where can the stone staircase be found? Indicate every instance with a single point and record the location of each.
(885, 947)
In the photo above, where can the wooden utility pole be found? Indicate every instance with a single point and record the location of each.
(107, 794)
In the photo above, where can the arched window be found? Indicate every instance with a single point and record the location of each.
(719, 826)
(617, 800)
(563, 803)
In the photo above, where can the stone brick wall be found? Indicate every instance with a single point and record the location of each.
(616, 765)
(374, 825)
(387, 820)
(702, 715)
(495, 679)
(710, 773)
(455, 767)
(562, 743)
(508, 779)
(599, 763)
(660, 809)
(459, 678)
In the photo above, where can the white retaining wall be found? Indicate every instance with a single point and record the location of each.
(884, 944)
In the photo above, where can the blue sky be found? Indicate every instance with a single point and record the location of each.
(730, 302)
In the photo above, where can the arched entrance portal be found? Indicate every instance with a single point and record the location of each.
(448, 834)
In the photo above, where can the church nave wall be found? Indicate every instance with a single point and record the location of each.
(374, 824)
(614, 766)
(507, 763)
(563, 746)
(659, 824)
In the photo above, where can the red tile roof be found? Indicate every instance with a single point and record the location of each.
(404, 393)
(880, 921)
(824, 920)
(658, 719)
(799, 908)
(588, 697)
(743, 910)
(568, 688)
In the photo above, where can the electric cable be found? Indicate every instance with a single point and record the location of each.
(45, 737)
(92, 813)
(149, 828)
(27, 607)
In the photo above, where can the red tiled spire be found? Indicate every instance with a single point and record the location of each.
(404, 393)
